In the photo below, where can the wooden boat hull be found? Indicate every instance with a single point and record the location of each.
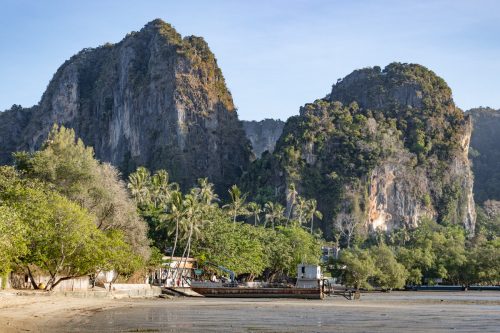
(237, 292)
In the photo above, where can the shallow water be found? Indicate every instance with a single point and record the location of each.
(387, 312)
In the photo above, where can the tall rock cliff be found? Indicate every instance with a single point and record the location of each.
(485, 153)
(154, 99)
(263, 134)
(385, 149)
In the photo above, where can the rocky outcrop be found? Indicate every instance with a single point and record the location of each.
(263, 134)
(154, 99)
(12, 124)
(485, 153)
(386, 147)
(395, 195)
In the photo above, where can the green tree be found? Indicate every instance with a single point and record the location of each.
(417, 261)
(61, 236)
(237, 248)
(483, 263)
(389, 274)
(301, 246)
(152, 195)
(206, 193)
(359, 267)
(237, 205)
(174, 218)
(139, 184)
(291, 198)
(254, 210)
(66, 163)
(197, 206)
(433, 251)
(300, 210)
(273, 213)
(311, 212)
(12, 238)
(116, 254)
(160, 188)
(488, 219)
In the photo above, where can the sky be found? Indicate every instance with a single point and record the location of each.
(276, 55)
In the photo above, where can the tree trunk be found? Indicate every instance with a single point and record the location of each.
(188, 246)
(188, 252)
(63, 279)
(50, 282)
(290, 212)
(175, 240)
(32, 279)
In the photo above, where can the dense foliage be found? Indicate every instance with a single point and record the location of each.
(69, 167)
(197, 223)
(427, 254)
(402, 117)
(48, 232)
(66, 215)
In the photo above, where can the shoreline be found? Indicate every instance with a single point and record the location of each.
(382, 312)
(41, 311)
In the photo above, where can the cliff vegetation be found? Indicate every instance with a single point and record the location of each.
(383, 150)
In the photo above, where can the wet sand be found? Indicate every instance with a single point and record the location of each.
(377, 312)
(41, 312)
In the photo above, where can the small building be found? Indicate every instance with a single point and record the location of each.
(17, 280)
(175, 272)
(328, 252)
(308, 276)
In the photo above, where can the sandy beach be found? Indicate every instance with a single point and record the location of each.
(377, 312)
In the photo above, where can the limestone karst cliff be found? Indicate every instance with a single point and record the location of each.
(154, 99)
(263, 134)
(384, 149)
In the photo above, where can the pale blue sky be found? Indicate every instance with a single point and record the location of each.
(275, 55)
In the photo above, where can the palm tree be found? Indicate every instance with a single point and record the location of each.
(175, 214)
(291, 197)
(194, 212)
(138, 184)
(185, 231)
(300, 210)
(269, 213)
(206, 191)
(195, 205)
(237, 205)
(311, 212)
(160, 188)
(274, 213)
(254, 210)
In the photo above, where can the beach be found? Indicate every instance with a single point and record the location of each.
(375, 312)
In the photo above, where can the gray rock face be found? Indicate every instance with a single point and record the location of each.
(398, 190)
(394, 195)
(485, 153)
(263, 134)
(154, 99)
